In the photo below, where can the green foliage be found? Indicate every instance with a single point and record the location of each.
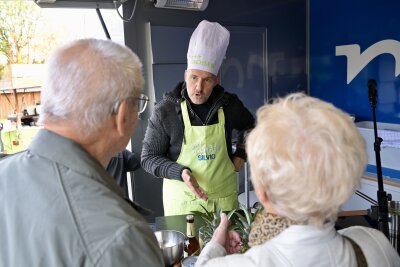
(242, 224)
(211, 219)
(17, 28)
(241, 221)
(2, 72)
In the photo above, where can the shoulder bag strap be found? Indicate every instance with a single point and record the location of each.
(360, 257)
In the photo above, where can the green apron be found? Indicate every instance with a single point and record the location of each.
(205, 153)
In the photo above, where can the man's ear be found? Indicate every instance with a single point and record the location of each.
(184, 75)
(121, 117)
(218, 79)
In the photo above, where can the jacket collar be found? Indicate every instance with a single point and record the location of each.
(306, 234)
(70, 154)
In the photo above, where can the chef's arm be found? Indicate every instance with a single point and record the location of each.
(239, 157)
(238, 163)
(243, 128)
(154, 157)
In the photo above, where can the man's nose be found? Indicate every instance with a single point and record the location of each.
(199, 84)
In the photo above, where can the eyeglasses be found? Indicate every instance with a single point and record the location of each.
(140, 103)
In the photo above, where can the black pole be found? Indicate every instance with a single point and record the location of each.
(103, 24)
(383, 218)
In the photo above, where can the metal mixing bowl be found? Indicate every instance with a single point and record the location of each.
(171, 244)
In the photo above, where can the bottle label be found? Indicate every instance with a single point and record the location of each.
(190, 230)
(191, 244)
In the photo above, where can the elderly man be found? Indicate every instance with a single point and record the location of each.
(189, 137)
(59, 207)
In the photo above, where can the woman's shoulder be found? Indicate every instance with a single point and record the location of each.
(360, 232)
(374, 244)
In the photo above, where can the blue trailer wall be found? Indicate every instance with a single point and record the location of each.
(351, 42)
(374, 26)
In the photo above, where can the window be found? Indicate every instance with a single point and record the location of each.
(22, 66)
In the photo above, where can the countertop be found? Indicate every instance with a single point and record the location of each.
(178, 222)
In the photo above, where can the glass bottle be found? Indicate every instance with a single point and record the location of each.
(192, 246)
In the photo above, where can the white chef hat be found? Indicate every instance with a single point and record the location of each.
(207, 47)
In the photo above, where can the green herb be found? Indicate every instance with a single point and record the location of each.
(241, 221)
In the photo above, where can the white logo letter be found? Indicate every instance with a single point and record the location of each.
(356, 61)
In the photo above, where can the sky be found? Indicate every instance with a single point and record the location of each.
(84, 23)
(70, 24)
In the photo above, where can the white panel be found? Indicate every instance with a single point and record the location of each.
(370, 189)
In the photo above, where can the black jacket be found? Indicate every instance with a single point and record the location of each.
(164, 135)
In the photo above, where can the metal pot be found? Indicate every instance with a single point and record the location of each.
(171, 244)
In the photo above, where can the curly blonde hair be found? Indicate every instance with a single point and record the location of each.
(307, 155)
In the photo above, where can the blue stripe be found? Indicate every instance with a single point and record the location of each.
(390, 173)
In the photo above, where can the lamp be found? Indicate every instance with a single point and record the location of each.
(78, 3)
(194, 5)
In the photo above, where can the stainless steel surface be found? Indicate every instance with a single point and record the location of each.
(171, 244)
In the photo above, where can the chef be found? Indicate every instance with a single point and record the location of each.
(188, 141)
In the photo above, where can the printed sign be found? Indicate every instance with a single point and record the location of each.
(347, 50)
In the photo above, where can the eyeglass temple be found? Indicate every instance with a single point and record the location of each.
(142, 103)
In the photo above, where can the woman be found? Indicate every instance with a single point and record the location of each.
(306, 159)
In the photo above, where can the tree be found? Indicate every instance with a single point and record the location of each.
(18, 20)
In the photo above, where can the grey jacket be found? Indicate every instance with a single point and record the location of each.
(59, 207)
(164, 135)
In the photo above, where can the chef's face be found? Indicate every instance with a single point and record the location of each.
(199, 85)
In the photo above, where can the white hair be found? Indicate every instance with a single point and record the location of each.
(84, 81)
(307, 155)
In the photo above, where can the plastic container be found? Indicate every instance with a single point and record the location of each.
(189, 261)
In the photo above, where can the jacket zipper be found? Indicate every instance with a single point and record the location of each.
(212, 110)
(210, 114)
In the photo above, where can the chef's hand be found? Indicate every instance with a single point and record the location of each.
(238, 163)
(191, 182)
(230, 240)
